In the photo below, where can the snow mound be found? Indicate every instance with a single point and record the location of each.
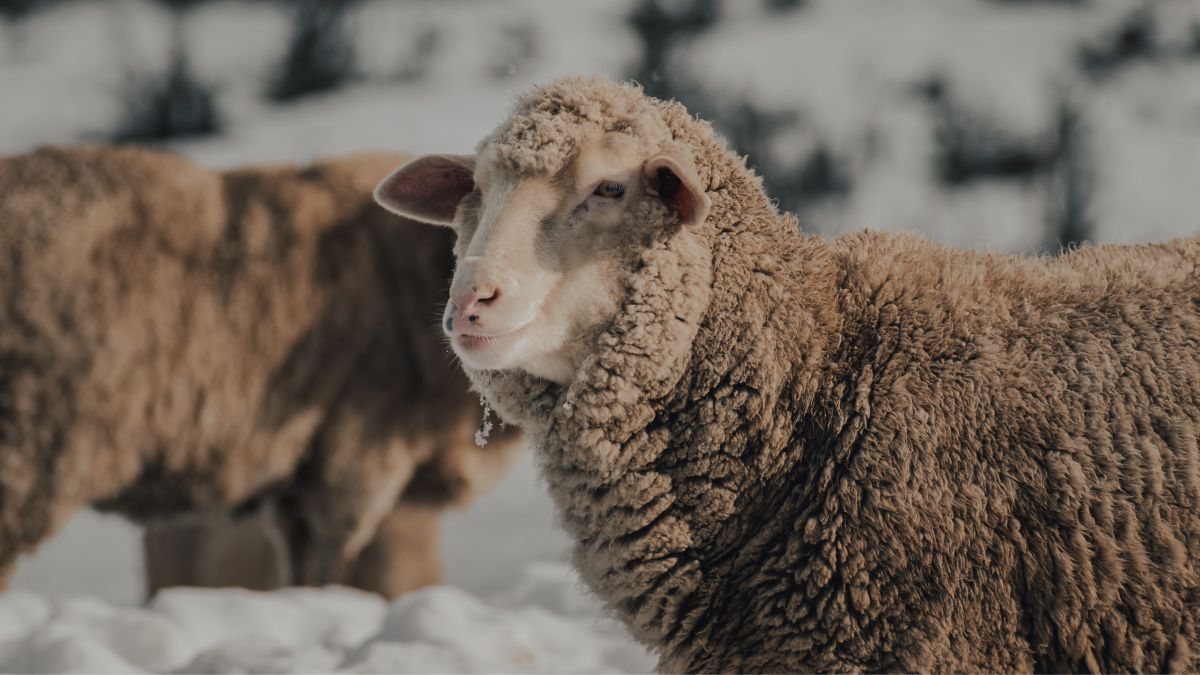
(545, 623)
(335, 618)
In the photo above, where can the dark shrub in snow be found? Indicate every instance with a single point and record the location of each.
(1132, 39)
(168, 105)
(320, 56)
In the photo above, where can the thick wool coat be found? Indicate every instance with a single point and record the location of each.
(790, 453)
(175, 339)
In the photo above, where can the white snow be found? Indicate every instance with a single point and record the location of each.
(519, 632)
(544, 624)
(851, 67)
(92, 554)
(512, 606)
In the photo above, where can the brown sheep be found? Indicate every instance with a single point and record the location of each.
(780, 452)
(175, 340)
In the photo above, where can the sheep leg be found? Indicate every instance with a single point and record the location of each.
(334, 520)
(216, 550)
(311, 556)
(404, 555)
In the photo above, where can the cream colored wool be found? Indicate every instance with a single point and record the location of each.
(791, 453)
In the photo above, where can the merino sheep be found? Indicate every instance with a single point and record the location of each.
(176, 340)
(781, 452)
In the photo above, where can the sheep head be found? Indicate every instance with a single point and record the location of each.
(550, 213)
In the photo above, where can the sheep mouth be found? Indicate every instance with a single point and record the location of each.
(472, 342)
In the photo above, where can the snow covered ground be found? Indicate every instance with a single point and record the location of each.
(544, 624)
(851, 69)
(510, 604)
(486, 546)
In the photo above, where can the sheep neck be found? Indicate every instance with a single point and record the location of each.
(664, 449)
(684, 408)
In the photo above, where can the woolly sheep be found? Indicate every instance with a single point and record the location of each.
(780, 452)
(175, 340)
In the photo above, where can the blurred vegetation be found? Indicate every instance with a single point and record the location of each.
(971, 145)
(169, 105)
(174, 103)
(802, 165)
(1134, 38)
(15, 10)
(320, 53)
(14, 13)
(1071, 180)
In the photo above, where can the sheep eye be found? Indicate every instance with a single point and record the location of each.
(609, 189)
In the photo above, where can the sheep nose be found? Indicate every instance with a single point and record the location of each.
(471, 303)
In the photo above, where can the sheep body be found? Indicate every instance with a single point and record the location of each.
(789, 453)
(175, 340)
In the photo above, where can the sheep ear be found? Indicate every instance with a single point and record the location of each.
(428, 188)
(672, 177)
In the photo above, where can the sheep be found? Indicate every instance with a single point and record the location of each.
(176, 340)
(782, 452)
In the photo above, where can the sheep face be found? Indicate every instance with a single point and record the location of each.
(541, 259)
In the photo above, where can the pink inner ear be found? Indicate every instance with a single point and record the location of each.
(674, 194)
(429, 188)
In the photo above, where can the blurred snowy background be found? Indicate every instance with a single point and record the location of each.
(1018, 125)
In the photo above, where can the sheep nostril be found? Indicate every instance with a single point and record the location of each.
(473, 318)
(488, 297)
(449, 324)
(479, 296)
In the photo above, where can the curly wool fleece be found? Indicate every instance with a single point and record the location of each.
(789, 453)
